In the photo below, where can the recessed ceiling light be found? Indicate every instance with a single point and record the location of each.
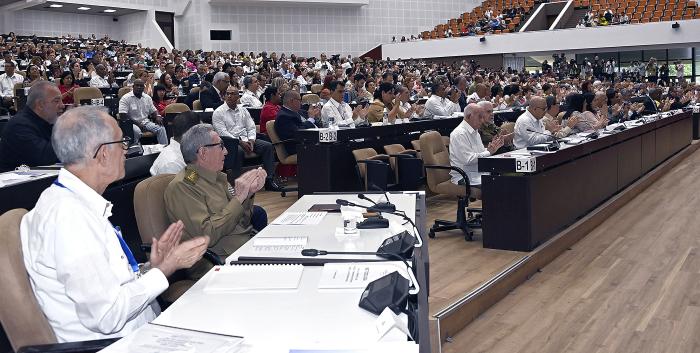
(109, 11)
(83, 8)
(55, 5)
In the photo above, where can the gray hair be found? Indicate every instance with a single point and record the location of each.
(289, 96)
(78, 132)
(471, 109)
(219, 76)
(247, 81)
(192, 140)
(39, 91)
(484, 104)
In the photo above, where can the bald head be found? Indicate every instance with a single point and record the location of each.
(473, 115)
(537, 107)
(487, 108)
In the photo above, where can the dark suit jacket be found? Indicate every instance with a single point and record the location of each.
(286, 124)
(210, 99)
(26, 140)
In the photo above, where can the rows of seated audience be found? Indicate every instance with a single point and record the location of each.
(113, 299)
(505, 16)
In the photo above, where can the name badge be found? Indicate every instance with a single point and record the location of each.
(98, 102)
(525, 164)
(327, 135)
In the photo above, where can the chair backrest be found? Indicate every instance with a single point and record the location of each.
(316, 88)
(86, 93)
(279, 147)
(176, 108)
(149, 206)
(310, 98)
(396, 148)
(197, 105)
(434, 152)
(361, 155)
(20, 314)
(123, 91)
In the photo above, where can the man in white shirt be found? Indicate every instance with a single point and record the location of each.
(83, 274)
(466, 147)
(323, 65)
(340, 111)
(8, 80)
(102, 79)
(437, 104)
(138, 106)
(170, 160)
(531, 119)
(234, 121)
(250, 98)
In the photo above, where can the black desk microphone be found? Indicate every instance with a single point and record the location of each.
(553, 145)
(379, 207)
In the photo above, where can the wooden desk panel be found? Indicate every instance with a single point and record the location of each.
(522, 211)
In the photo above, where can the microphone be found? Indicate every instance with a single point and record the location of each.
(370, 222)
(378, 207)
(552, 146)
(386, 255)
(342, 202)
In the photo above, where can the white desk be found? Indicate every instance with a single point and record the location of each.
(279, 320)
(323, 237)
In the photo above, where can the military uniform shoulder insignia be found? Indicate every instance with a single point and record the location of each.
(191, 176)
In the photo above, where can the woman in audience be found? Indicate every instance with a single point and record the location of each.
(33, 75)
(167, 81)
(67, 86)
(160, 101)
(371, 87)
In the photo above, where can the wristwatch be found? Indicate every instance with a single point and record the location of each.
(144, 268)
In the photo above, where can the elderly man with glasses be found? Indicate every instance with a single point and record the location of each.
(201, 196)
(529, 129)
(85, 277)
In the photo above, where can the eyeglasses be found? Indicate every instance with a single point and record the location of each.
(220, 144)
(125, 145)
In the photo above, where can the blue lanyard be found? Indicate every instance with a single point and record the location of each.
(129, 255)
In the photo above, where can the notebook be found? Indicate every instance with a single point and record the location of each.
(249, 277)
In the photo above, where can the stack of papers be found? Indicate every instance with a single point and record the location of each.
(250, 277)
(279, 244)
(300, 218)
(11, 178)
(153, 338)
(355, 275)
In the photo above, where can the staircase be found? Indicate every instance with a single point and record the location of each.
(575, 17)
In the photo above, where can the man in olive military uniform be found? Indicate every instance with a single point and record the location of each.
(489, 130)
(202, 198)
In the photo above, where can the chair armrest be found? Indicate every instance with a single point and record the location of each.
(284, 141)
(374, 159)
(447, 167)
(209, 255)
(70, 347)
(456, 169)
(371, 161)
